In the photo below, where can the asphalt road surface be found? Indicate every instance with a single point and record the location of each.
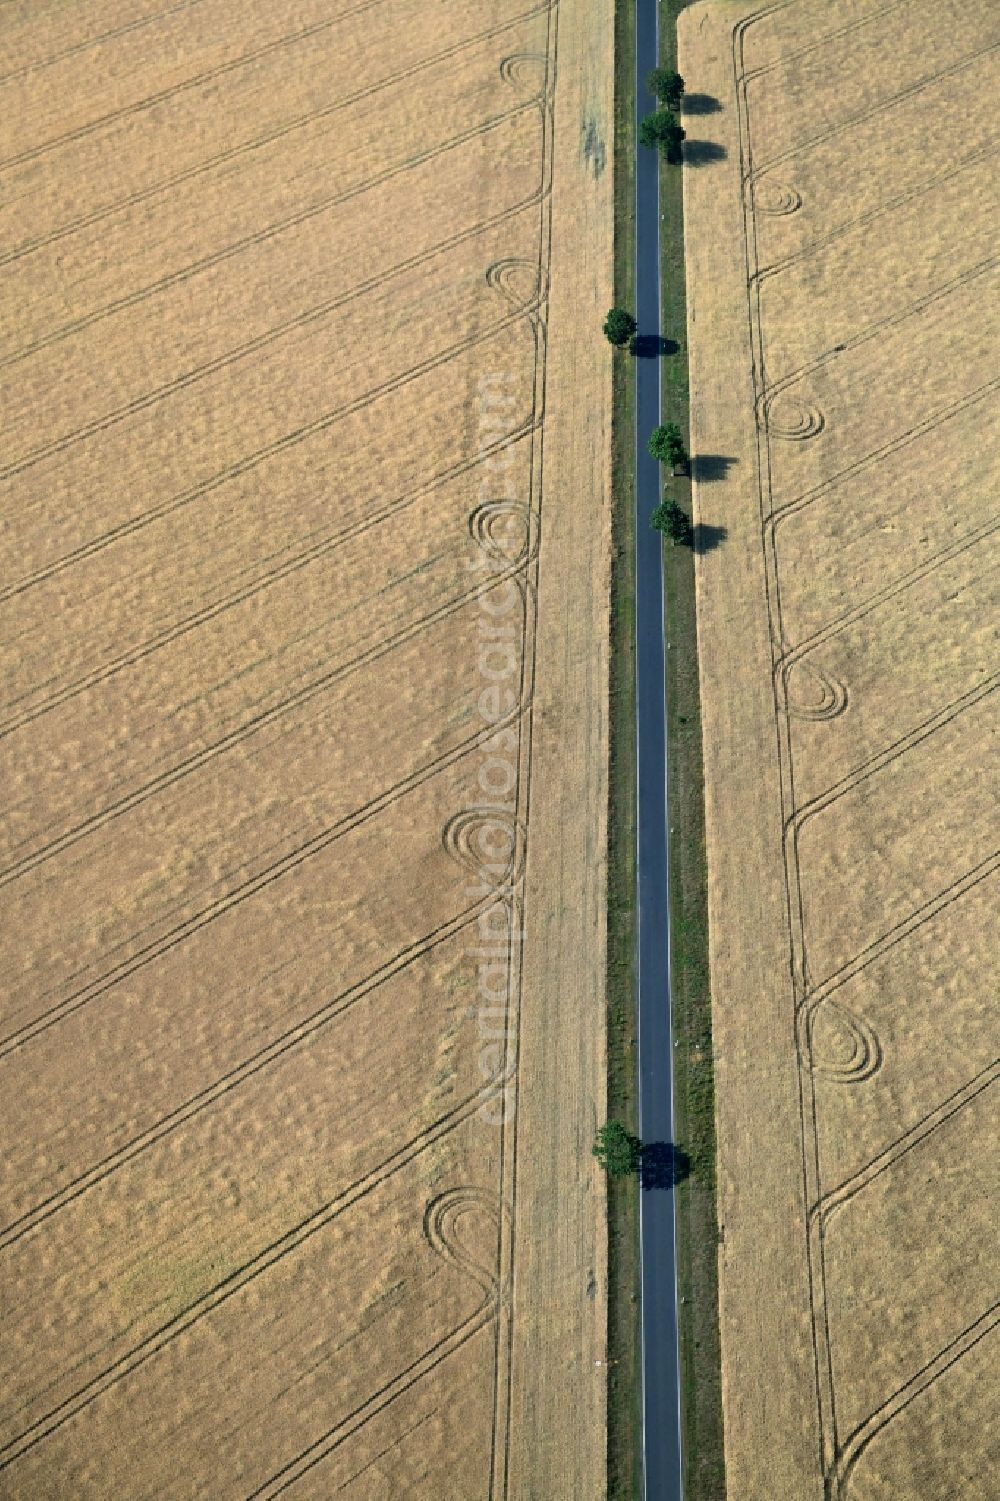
(660, 1380)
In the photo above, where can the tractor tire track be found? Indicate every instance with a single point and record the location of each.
(313, 314)
(323, 548)
(226, 902)
(285, 1245)
(822, 1212)
(194, 82)
(200, 758)
(251, 461)
(96, 41)
(883, 106)
(804, 994)
(238, 1075)
(861, 221)
(288, 127)
(259, 237)
(833, 628)
(442, 1242)
(868, 769)
(777, 514)
(839, 1474)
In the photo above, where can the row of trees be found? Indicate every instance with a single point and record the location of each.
(662, 130)
(665, 443)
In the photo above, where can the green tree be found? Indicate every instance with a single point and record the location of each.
(672, 521)
(617, 1150)
(667, 85)
(619, 326)
(661, 130)
(667, 445)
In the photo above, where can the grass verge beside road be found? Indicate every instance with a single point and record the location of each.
(624, 1338)
(694, 1097)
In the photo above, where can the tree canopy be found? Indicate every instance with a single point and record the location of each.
(619, 326)
(667, 85)
(672, 521)
(661, 130)
(666, 444)
(617, 1150)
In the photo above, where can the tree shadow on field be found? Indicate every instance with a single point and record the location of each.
(652, 346)
(663, 1165)
(702, 153)
(706, 538)
(700, 104)
(706, 468)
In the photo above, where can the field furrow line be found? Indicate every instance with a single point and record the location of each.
(286, 1245)
(246, 1069)
(252, 460)
(288, 1477)
(97, 41)
(259, 237)
(194, 82)
(148, 954)
(246, 148)
(242, 732)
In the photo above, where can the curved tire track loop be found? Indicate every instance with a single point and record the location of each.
(269, 232)
(786, 199)
(835, 627)
(278, 1249)
(96, 41)
(183, 930)
(278, 445)
(465, 838)
(441, 1231)
(867, 769)
(832, 1453)
(276, 133)
(241, 732)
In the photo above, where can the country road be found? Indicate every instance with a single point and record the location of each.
(660, 1365)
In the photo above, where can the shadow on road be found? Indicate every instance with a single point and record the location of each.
(663, 1165)
(652, 346)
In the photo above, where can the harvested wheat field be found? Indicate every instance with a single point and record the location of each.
(305, 474)
(844, 299)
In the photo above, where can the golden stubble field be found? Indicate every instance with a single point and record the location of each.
(841, 201)
(305, 474)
